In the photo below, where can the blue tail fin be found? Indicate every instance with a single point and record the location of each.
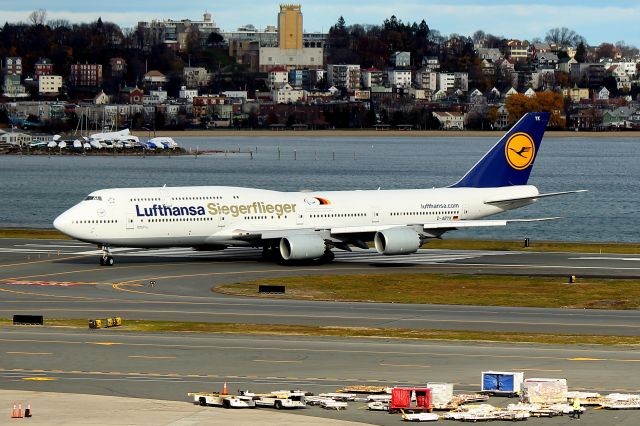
(510, 161)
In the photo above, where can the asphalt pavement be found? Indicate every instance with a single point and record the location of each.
(62, 279)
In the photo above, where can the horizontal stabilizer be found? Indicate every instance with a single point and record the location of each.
(504, 202)
(539, 219)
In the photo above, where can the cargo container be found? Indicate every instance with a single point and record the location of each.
(545, 391)
(502, 382)
(410, 399)
(441, 394)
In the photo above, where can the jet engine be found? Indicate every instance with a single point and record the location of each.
(302, 247)
(401, 240)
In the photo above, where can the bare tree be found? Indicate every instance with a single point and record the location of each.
(38, 17)
(563, 37)
(478, 36)
(626, 50)
(58, 23)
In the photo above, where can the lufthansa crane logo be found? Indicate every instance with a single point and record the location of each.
(520, 151)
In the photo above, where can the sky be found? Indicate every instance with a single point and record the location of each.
(597, 21)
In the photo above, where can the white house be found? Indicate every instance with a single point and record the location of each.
(278, 77)
(236, 94)
(154, 77)
(160, 94)
(101, 98)
(15, 138)
(287, 94)
(502, 118)
(195, 76)
(399, 78)
(401, 59)
(510, 92)
(602, 94)
(450, 120)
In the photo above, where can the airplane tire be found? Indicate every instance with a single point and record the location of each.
(109, 261)
(328, 256)
(101, 261)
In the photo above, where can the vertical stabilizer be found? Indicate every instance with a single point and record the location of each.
(510, 160)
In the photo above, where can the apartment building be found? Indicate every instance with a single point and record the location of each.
(341, 75)
(85, 75)
(453, 80)
(13, 65)
(518, 49)
(43, 66)
(372, 77)
(399, 78)
(49, 84)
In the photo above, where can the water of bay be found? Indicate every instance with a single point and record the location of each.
(34, 189)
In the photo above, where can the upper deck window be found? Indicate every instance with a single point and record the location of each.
(93, 197)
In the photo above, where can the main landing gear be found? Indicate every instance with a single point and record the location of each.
(328, 256)
(106, 259)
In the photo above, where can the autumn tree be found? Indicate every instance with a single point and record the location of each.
(519, 104)
(606, 50)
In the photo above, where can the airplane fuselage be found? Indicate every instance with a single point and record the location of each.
(220, 215)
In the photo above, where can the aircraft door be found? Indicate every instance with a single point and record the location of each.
(222, 220)
(130, 221)
(375, 214)
(300, 218)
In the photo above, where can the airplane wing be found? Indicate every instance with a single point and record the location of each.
(435, 228)
(508, 202)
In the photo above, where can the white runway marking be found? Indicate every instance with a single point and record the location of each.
(77, 245)
(637, 259)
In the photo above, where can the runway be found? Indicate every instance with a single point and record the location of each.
(61, 279)
(168, 365)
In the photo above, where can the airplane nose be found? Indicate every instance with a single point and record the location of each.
(61, 223)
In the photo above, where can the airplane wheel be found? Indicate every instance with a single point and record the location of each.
(108, 261)
(328, 256)
(101, 261)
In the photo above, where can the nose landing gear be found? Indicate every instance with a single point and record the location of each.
(106, 259)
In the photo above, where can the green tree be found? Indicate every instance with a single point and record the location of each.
(581, 53)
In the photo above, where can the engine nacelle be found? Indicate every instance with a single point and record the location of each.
(401, 240)
(302, 247)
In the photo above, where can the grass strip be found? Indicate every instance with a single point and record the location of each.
(44, 234)
(347, 332)
(450, 289)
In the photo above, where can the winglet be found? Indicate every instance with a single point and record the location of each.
(509, 162)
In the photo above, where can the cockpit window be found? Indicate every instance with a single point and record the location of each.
(93, 197)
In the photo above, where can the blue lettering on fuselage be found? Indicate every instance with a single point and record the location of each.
(163, 210)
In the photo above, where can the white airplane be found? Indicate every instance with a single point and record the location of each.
(306, 225)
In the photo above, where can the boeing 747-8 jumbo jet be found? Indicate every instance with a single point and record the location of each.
(307, 225)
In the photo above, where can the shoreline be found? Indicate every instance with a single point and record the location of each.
(371, 133)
